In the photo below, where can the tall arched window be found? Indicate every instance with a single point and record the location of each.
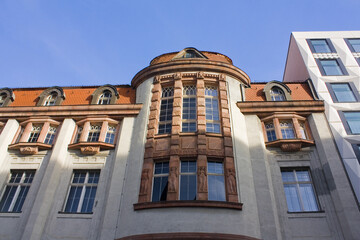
(105, 98)
(277, 94)
(51, 99)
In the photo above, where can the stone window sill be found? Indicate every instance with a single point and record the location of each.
(91, 148)
(290, 145)
(194, 203)
(27, 148)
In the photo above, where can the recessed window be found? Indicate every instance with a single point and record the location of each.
(188, 180)
(354, 44)
(3, 97)
(160, 185)
(82, 191)
(331, 67)
(321, 46)
(50, 136)
(105, 98)
(166, 108)
(78, 134)
(16, 190)
(303, 132)
(216, 182)
(94, 133)
(51, 99)
(277, 94)
(299, 190)
(189, 109)
(287, 129)
(343, 92)
(351, 121)
(212, 109)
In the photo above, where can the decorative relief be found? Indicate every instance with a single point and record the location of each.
(156, 79)
(29, 150)
(221, 77)
(177, 76)
(90, 150)
(231, 181)
(292, 157)
(325, 55)
(202, 179)
(144, 182)
(27, 160)
(200, 75)
(173, 175)
(290, 147)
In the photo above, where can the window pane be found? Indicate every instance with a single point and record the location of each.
(353, 120)
(215, 167)
(308, 197)
(73, 199)
(7, 198)
(188, 166)
(277, 94)
(320, 46)
(331, 67)
(160, 189)
(216, 188)
(188, 187)
(355, 43)
(292, 198)
(288, 176)
(89, 198)
(21, 198)
(343, 92)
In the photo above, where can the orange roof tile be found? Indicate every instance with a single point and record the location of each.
(73, 95)
(299, 91)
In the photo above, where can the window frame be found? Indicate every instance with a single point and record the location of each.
(275, 95)
(188, 174)
(351, 87)
(345, 122)
(18, 186)
(212, 98)
(50, 100)
(193, 120)
(160, 175)
(50, 135)
(352, 49)
(83, 191)
(328, 42)
(339, 64)
(166, 123)
(356, 151)
(105, 97)
(216, 174)
(297, 184)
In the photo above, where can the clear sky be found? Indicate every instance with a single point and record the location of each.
(81, 43)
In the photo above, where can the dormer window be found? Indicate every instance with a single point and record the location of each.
(105, 98)
(2, 99)
(189, 53)
(6, 97)
(277, 94)
(51, 99)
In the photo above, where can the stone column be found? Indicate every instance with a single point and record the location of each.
(43, 132)
(26, 133)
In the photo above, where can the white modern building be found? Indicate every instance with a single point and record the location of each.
(332, 61)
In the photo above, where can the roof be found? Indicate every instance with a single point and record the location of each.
(73, 95)
(299, 91)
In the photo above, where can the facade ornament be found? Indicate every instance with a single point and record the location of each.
(231, 180)
(177, 76)
(28, 150)
(90, 150)
(156, 79)
(202, 179)
(144, 182)
(222, 77)
(200, 75)
(290, 147)
(173, 175)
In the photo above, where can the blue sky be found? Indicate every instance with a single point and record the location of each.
(81, 43)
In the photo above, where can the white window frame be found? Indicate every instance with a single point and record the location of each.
(105, 98)
(51, 99)
(35, 133)
(50, 136)
(95, 128)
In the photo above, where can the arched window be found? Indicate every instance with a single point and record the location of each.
(277, 94)
(105, 98)
(2, 99)
(51, 99)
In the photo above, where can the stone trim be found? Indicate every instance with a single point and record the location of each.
(194, 203)
(43, 96)
(187, 235)
(117, 110)
(10, 96)
(198, 145)
(96, 94)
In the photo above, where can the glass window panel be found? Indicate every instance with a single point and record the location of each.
(73, 199)
(160, 188)
(21, 198)
(308, 197)
(216, 188)
(288, 176)
(343, 92)
(89, 199)
(353, 120)
(292, 198)
(331, 67)
(355, 43)
(188, 187)
(302, 176)
(320, 46)
(7, 198)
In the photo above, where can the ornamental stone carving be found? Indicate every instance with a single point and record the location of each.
(231, 181)
(290, 147)
(200, 75)
(90, 150)
(144, 182)
(173, 175)
(202, 179)
(29, 150)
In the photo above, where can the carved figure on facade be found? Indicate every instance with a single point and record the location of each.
(202, 179)
(28, 150)
(90, 150)
(177, 76)
(200, 75)
(144, 182)
(231, 181)
(173, 175)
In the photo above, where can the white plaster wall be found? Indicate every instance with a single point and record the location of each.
(343, 140)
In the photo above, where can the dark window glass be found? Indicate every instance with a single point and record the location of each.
(166, 108)
(188, 180)
(277, 94)
(161, 173)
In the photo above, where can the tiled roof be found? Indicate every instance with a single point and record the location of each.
(299, 91)
(73, 96)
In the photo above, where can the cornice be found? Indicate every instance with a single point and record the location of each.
(120, 110)
(184, 65)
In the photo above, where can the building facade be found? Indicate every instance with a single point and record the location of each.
(332, 61)
(191, 150)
